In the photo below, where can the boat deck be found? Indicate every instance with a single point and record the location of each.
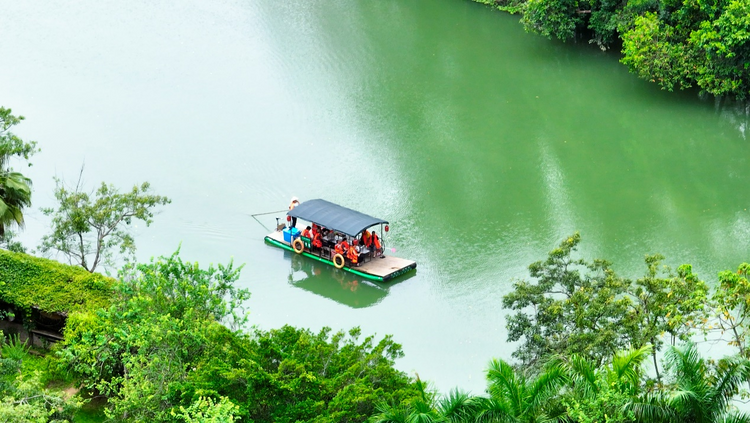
(381, 268)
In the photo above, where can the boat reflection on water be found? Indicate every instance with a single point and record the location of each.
(336, 284)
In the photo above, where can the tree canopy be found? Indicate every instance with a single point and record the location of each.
(88, 228)
(675, 44)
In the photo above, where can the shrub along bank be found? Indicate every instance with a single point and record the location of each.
(676, 44)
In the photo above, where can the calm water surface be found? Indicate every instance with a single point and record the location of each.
(484, 146)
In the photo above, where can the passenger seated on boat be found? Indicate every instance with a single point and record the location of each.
(307, 233)
(317, 239)
(342, 247)
(353, 254)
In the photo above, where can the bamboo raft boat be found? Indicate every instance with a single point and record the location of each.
(342, 223)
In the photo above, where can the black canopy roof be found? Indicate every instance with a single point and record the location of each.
(333, 216)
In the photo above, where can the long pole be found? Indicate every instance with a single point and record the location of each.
(261, 214)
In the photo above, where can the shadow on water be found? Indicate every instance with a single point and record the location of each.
(337, 285)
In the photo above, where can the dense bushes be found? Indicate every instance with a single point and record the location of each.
(27, 282)
(168, 345)
(676, 44)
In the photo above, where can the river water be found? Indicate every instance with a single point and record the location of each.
(483, 146)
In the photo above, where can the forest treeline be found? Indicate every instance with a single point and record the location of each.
(675, 44)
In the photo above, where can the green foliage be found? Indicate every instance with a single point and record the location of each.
(27, 281)
(291, 374)
(516, 396)
(675, 44)
(651, 51)
(428, 407)
(205, 410)
(142, 348)
(672, 305)
(87, 229)
(731, 303)
(8, 242)
(725, 42)
(702, 391)
(603, 394)
(579, 307)
(10, 144)
(14, 349)
(550, 18)
(159, 351)
(23, 398)
(15, 189)
(576, 307)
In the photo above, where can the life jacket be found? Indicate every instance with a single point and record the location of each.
(376, 241)
(366, 238)
(352, 254)
(317, 241)
(307, 234)
(339, 248)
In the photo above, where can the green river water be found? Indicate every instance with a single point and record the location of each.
(483, 146)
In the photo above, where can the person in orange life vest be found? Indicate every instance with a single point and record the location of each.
(342, 247)
(307, 233)
(353, 254)
(317, 239)
(376, 243)
(292, 205)
(366, 238)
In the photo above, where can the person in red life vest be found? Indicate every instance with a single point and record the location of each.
(307, 233)
(353, 254)
(317, 239)
(376, 244)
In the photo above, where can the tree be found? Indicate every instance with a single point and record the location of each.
(517, 397)
(672, 305)
(426, 407)
(730, 302)
(603, 394)
(15, 189)
(87, 230)
(584, 308)
(701, 391)
(574, 307)
(140, 351)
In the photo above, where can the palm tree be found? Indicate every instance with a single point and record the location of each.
(456, 407)
(702, 391)
(15, 189)
(514, 397)
(604, 392)
(15, 195)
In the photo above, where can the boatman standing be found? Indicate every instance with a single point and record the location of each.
(292, 205)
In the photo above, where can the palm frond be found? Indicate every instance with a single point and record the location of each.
(546, 386)
(493, 411)
(628, 365)
(730, 374)
(390, 414)
(581, 372)
(458, 406)
(652, 408)
(736, 418)
(505, 385)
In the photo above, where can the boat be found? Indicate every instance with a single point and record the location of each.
(339, 222)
